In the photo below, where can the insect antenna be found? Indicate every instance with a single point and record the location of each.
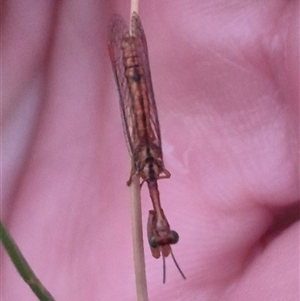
(177, 265)
(164, 269)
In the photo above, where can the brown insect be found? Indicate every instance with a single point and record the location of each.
(130, 63)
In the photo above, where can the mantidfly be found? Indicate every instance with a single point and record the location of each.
(130, 63)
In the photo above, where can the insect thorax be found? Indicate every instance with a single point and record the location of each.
(148, 162)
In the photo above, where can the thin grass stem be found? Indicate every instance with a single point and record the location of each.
(22, 266)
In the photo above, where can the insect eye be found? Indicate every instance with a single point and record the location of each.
(152, 242)
(174, 237)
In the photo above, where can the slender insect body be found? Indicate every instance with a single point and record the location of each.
(130, 62)
(138, 90)
(146, 154)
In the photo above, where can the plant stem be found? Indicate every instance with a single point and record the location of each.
(22, 266)
(137, 236)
